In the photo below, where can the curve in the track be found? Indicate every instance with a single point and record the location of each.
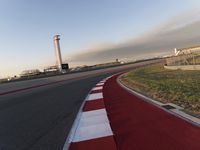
(139, 125)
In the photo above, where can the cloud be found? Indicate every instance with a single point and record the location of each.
(179, 31)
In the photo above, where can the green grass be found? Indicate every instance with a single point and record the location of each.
(175, 86)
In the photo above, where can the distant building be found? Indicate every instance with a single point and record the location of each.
(186, 51)
(51, 69)
(29, 73)
(185, 57)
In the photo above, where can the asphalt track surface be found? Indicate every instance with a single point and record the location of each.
(140, 125)
(36, 117)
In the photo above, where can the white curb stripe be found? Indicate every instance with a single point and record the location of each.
(99, 84)
(93, 124)
(97, 88)
(93, 113)
(92, 132)
(94, 96)
(90, 124)
(93, 120)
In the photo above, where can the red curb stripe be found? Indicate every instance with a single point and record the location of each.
(93, 105)
(104, 143)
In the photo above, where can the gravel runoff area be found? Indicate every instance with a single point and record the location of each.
(168, 86)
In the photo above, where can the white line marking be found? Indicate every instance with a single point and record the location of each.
(99, 84)
(74, 127)
(174, 105)
(94, 96)
(97, 88)
(189, 117)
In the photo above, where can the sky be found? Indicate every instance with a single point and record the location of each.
(93, 31)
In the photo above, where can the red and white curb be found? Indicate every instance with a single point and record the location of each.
(91, 129)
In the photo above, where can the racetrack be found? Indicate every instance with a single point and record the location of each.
(40, 117)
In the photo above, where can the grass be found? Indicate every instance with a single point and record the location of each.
(175, 86)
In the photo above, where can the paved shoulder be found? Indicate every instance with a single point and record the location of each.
(137, 124)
